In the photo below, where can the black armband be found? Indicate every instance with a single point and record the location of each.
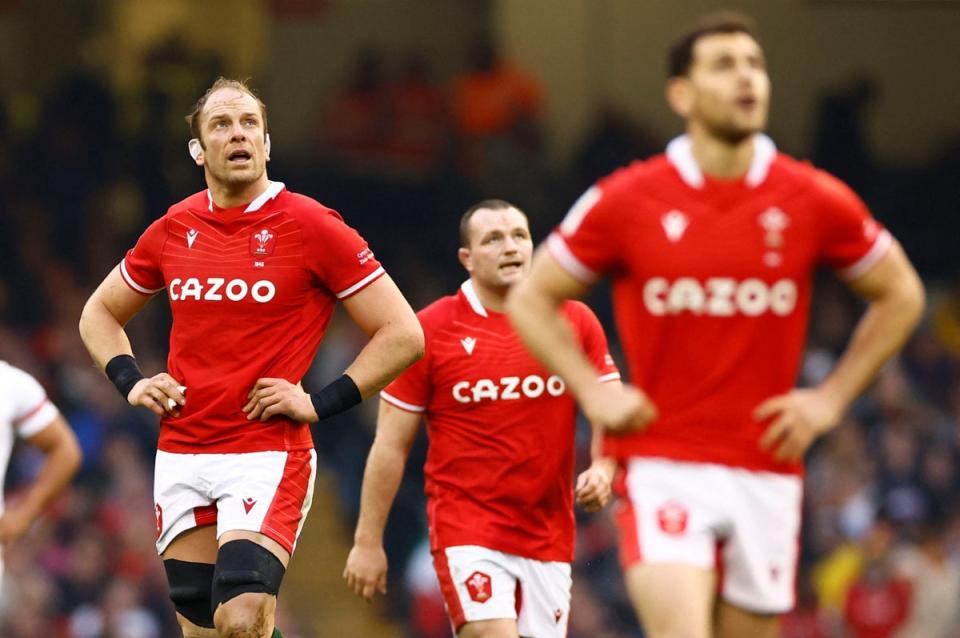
(124, 372)
(336, 397)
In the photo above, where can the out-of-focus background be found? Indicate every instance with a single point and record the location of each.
(400, 114)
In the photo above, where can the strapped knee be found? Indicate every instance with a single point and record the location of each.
(245, 567)
(190, 590)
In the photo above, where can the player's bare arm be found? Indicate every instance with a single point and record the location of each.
(62, 460)
(366, 568)
(104, 316)
(594, 485)
(396, 341)
(396, 338)
(895, 304)
(534, 309)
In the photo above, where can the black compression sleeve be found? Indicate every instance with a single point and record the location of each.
(124, 372)
(336, 397)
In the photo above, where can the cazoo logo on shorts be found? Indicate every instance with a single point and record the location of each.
(219, 289)
(719, 296)
(531, 386)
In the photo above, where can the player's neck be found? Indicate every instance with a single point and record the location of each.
(233, 195)
(720, 158)
(494, 299)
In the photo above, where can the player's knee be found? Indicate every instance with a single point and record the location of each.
(675, 632)
(245, 616)
(500, 628)
(190, 590)
(244, 567)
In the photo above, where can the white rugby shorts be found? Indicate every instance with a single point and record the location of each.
(266, 492)
(744, 524)
(483, 584)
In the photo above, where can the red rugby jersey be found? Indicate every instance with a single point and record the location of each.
(499, 469)
(251, 291)
(711, 288)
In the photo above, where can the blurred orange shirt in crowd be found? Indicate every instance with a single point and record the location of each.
(486, 103)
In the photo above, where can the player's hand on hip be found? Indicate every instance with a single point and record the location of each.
(618, 409)
(270, 397)
(161, 394)
(366, 570)
(594, 485)
(797, 418)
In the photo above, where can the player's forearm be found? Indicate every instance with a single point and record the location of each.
(881, 332)
(548, 336)
(391, 349)
(102, 334)
(381, 480)
(596, 436)
(597, 459)
(61, 463)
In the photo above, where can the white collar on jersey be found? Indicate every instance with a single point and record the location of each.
(472, 298)
(273, 189)
(680, 154)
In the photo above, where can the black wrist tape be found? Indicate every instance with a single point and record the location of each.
(336, 397)
(124, 372)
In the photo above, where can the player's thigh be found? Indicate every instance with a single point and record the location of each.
(196, 545)
(498, 628)
(672, 601)
(733, 622)
(477, 584)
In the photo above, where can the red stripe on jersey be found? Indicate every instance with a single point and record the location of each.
(205, 515)
(286, 510)
(627, 523)
(431, 526)
(449, 590)
(30, 412)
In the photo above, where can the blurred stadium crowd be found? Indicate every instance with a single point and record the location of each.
(401, 154)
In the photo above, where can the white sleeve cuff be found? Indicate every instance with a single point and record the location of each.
(36, 419)
(403, 405)
(558, 248)
(860, 267)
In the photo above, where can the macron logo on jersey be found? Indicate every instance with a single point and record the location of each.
(469, 343)
(192, 237)
(674, 225)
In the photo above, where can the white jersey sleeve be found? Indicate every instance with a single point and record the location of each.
(25, 401)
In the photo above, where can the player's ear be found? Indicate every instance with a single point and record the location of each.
(680, 95)
(196, 151)
(463, 254)
(266, 146)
